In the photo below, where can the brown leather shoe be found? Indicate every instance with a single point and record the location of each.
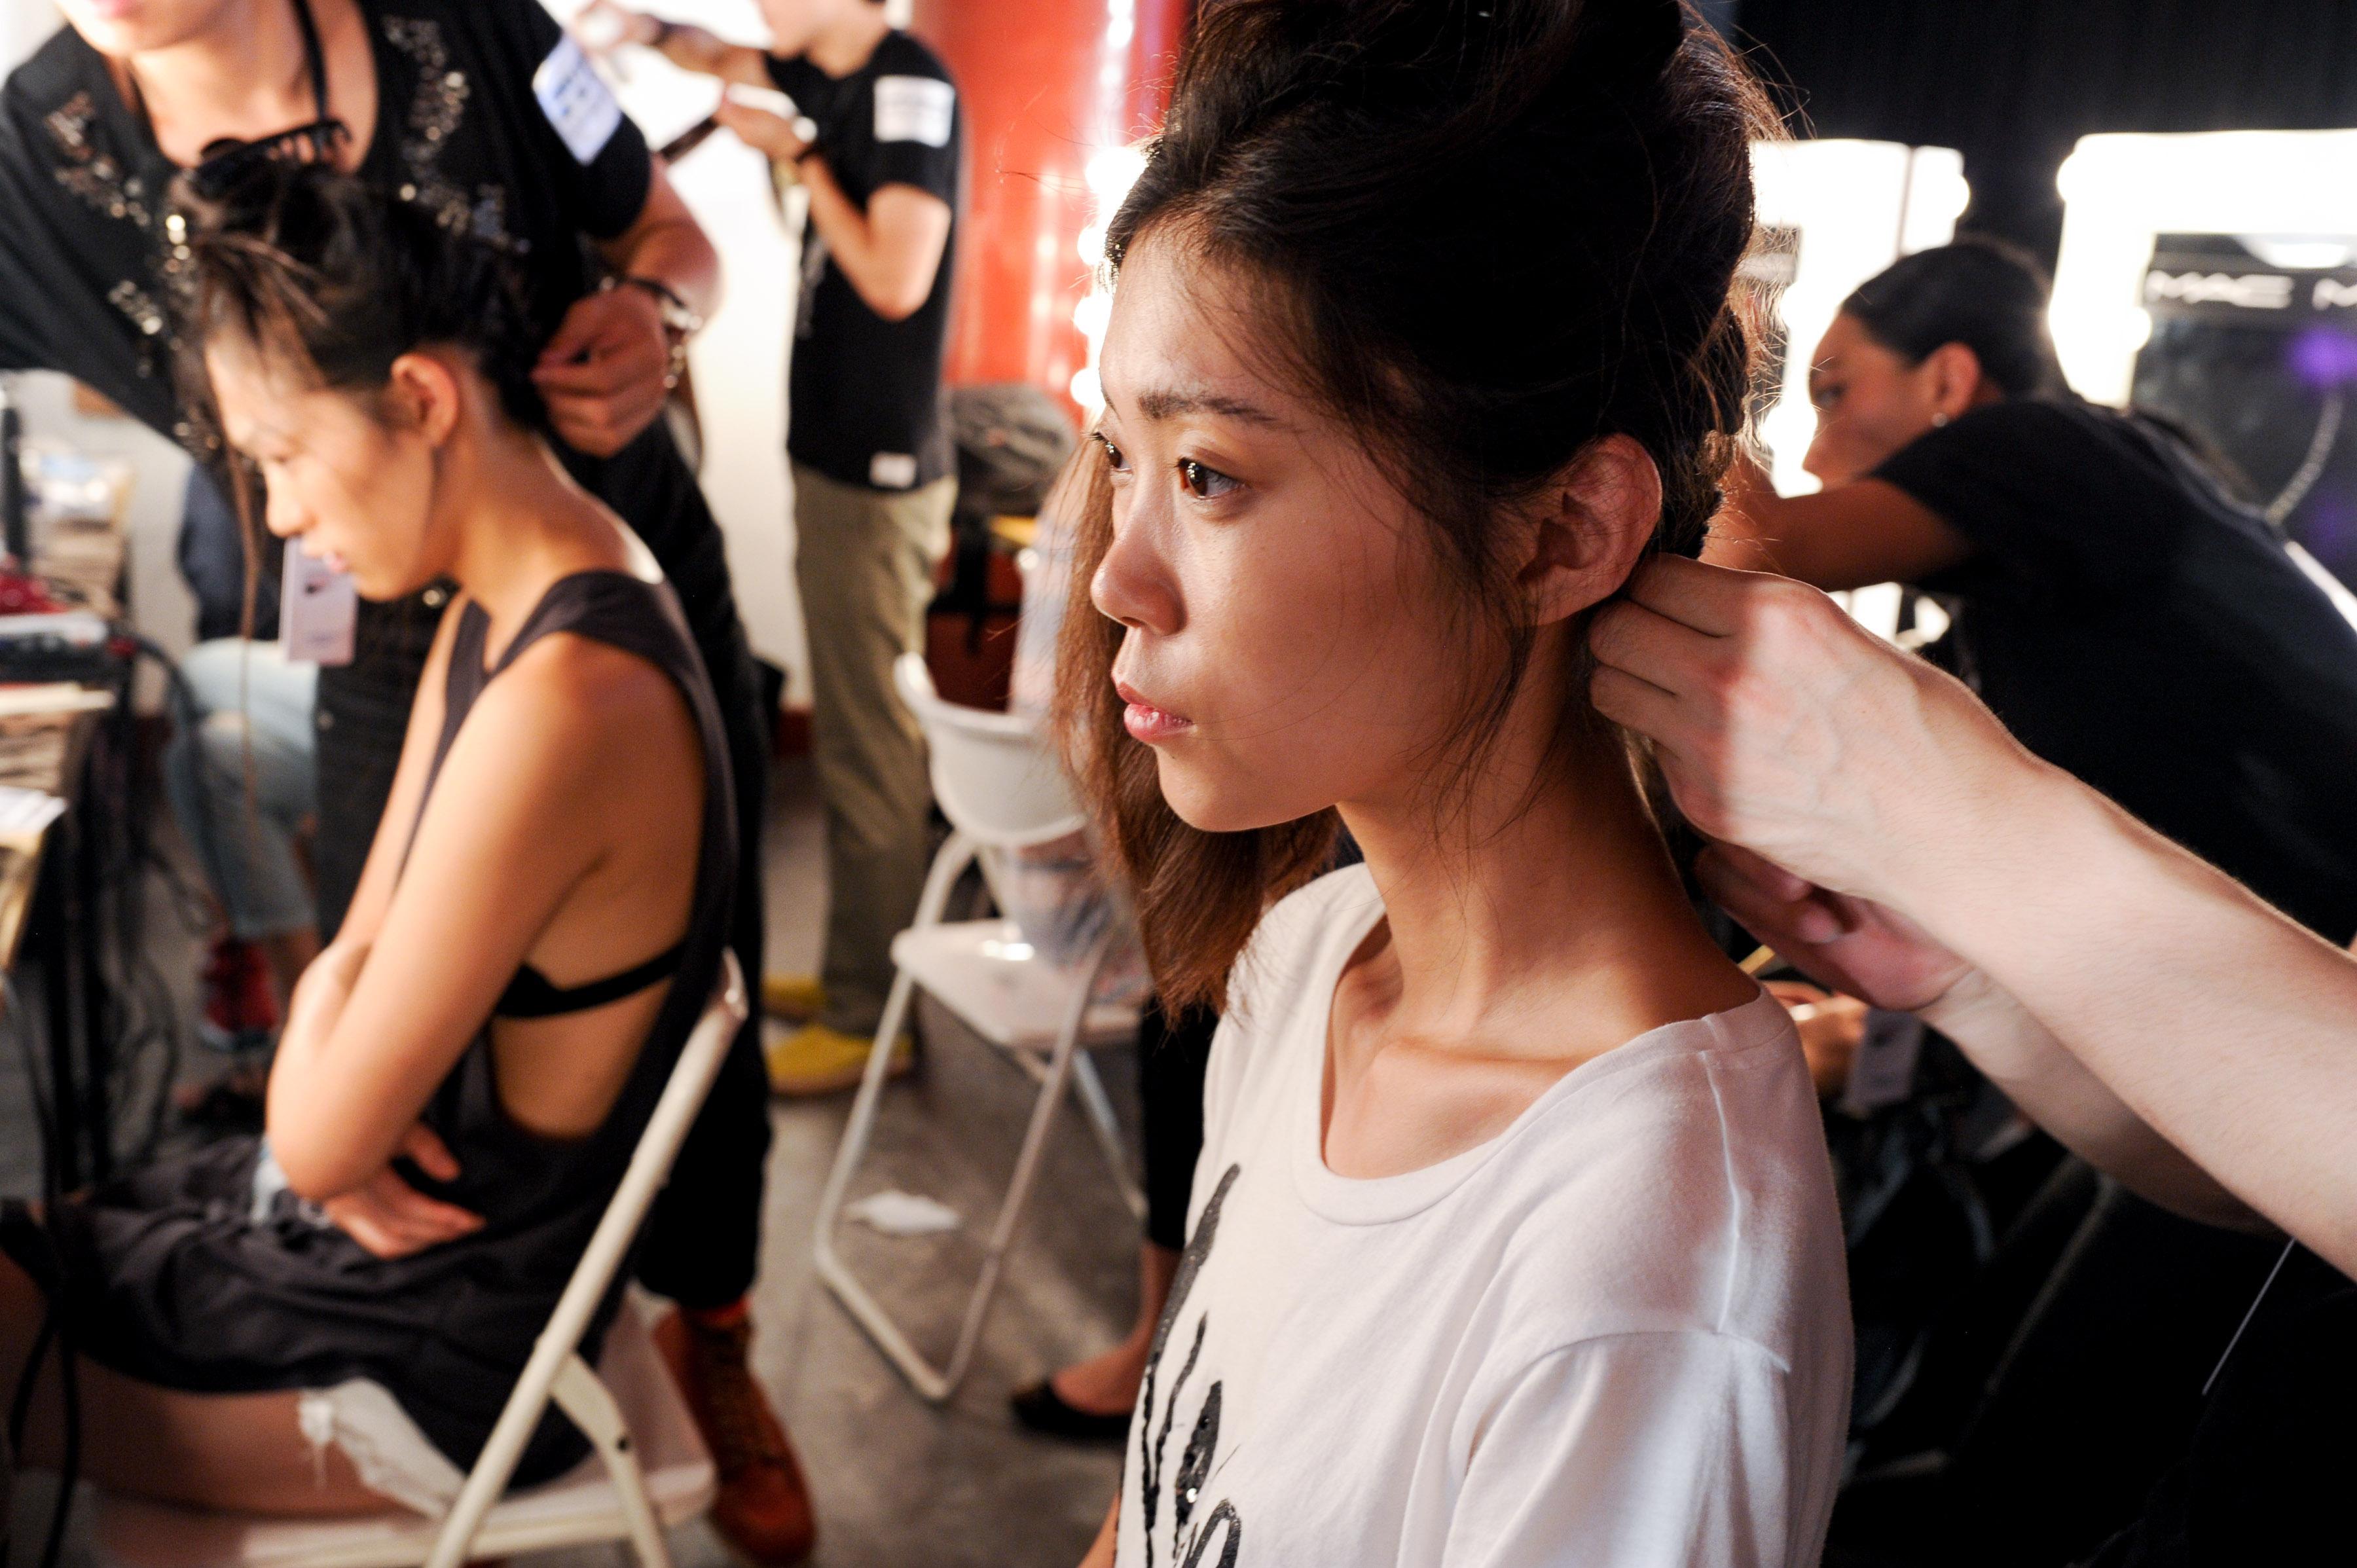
(763, 1510)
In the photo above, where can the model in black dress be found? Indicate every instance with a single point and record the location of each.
(563, 803)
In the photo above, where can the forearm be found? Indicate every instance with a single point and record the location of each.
(2021, 1056)
(299, 1067)
(675, 251)
(843, 225)
(890, 251)
(692, 48)
(1739, 533)
(2226, 1027)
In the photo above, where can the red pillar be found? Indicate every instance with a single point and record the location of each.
(1047, 84)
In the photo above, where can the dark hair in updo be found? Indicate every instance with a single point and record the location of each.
(340, 279)
(1989, 295)
(1483, 234)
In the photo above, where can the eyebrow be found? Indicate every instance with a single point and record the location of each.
(1163, 402)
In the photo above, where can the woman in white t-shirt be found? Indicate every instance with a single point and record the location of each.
(1514, 1240)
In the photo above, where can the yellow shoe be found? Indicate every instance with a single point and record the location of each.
(815, 1059)
(795, 998)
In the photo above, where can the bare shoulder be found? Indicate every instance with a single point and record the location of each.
(592, 700)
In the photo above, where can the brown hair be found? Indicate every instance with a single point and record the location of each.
(1489, 232)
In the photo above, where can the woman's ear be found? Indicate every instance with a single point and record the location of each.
(1958, 383)
(1593, 525)
(425, 395)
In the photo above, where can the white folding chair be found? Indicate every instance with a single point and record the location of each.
(655, 1470)
(1001, 789)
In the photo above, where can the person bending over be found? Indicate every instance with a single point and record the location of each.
(2122, 615)
(540, 923)
(1513, 1238)
(1886, 834)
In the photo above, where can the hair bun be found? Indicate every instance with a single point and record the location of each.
(1630, 43)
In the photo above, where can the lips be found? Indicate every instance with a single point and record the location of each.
(1147, 722)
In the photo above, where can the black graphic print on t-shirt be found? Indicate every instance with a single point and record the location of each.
(1222, 1524)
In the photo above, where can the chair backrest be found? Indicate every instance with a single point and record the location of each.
(997, 779)
(649, 1167)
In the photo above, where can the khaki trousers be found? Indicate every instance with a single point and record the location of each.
(865, 561)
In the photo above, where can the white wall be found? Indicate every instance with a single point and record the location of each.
(740, 361)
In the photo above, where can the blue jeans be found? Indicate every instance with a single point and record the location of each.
(254, 710)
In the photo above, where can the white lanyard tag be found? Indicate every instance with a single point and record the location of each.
(577, 101)
(317, 610)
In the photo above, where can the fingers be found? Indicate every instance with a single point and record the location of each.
(1783, 921)
(602, 426)
(603, 374)
(390, 1219)
(1705, 598)
(1766, 875)
(610, 372)
(1634, 703)
(1650, 645)
(757, 128)
(429, 1153)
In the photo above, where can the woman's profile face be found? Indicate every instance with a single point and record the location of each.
(1870, 403)
(1290, 641)
(357, 490)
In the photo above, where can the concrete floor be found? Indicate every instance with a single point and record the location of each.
(899, 1484)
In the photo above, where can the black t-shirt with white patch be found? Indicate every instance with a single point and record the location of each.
(866, 393)
(2133, 626)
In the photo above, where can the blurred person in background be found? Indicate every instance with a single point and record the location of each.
(242, 773)
(880, 150)
(2122, 614)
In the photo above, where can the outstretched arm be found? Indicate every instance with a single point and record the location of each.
(1867, 950)
(1846, 537)
(604, 24)
(1785, 728)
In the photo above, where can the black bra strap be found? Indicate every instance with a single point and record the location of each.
(530, 994)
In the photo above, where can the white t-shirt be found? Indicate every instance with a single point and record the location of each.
(1616, 1335)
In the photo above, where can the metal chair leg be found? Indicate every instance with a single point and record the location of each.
(584, 1396)
(1090, 1092)
(833, 1271)
(1018, 1189)
(937, 1383)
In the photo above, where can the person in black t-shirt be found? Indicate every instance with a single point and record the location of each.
(878, 148)
(485, 113)
(2123, 616)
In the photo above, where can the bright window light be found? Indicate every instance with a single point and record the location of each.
(1848, 209)
(2288, 194)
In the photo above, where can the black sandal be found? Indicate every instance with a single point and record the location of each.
(1043, 1409)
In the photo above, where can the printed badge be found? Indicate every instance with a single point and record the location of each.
(318, 609)
(914, 109)
(576, 101)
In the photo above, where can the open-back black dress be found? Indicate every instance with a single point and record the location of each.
(206, 1275)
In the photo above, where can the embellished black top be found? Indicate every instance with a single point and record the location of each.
(84, 256)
